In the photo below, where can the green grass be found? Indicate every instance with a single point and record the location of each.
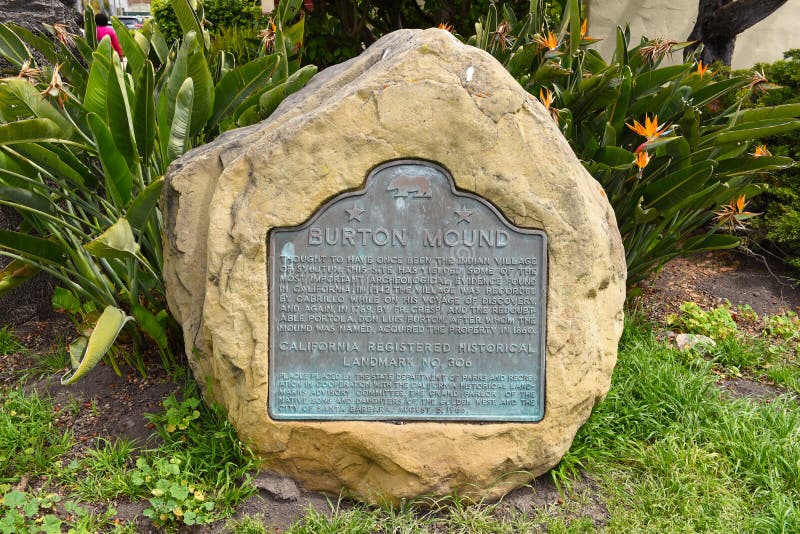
(673, 454)
(8, 344)
(30, 443)
(668, 451)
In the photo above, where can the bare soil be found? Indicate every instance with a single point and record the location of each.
(103, 405)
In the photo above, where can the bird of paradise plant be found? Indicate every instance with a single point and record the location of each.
(664, 190)
(83, 151)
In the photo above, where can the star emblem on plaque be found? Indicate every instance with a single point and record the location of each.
(463, 215)
(355, 213)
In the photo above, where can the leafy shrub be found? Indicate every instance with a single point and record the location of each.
(779, 227)
(337, 31)
(175, 497)
(84, 142)
(654, 137)
(717, 323)
(22, 512)
(203, 473)
(220, 14)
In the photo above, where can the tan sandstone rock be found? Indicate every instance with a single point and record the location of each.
(413, 94)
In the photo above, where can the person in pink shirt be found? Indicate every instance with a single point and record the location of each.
(103, 29)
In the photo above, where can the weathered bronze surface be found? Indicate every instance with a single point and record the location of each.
(407, 301)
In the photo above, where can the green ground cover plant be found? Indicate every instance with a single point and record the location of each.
(764, 346)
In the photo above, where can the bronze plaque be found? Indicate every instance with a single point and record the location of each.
(407, 301)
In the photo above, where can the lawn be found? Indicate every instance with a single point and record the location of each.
(704, 440)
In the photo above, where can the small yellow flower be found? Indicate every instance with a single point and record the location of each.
(642, 159)
(199, 495)
(702, 70)
(761, 151)
(550, 41)
(651, 130)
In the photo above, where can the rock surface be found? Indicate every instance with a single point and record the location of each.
(413, 94)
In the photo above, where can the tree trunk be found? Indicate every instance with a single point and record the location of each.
(720, 21)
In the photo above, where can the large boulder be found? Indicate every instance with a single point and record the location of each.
(413, 94)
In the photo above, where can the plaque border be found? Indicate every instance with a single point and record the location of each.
(490, 419)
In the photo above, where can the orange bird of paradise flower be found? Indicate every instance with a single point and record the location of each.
(733, 215)
(761, 151)
(651, 129)
(702, 70)
(547, 99)
(641, 160)
(550, 41)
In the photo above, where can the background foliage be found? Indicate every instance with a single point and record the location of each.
(779, 227)
(339, 30)
(675, 163)
(84, 142)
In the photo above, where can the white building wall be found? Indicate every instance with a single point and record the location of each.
(674, 19)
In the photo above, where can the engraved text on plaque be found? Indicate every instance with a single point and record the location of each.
(408, 300)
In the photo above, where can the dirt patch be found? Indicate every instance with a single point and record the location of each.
(750, 389)
(580, 500)
(104, 405)
(711, 278)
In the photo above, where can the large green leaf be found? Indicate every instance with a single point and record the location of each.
(119, 114)
(652, 80)
(105, 332)
(747, 165)
(715, 90)
(203, 89)
(118, 178)
(179, 132)
(26, 199)
(143, 204)
(19, 99)
(31, 246)
(14, 274)
(785, 111)
(64, 301)
(187, 17)
(12, 48)
(669, 189)
(614, 157)
(29, 130)
(710, 242)
(272, 98)
(755, 130)
(116, 242)
(89, 27)
(94, 100)
(53, 162)
(149, 324)
(144, 117)
(136, 56)
(238, 84)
